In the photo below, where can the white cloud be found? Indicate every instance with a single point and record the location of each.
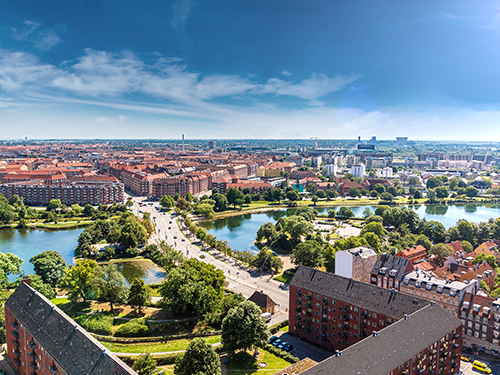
(286, 73)
(30, 26)
(181, 12)
(47, 40)
(110, 121)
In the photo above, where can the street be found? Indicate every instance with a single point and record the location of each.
(240, 278)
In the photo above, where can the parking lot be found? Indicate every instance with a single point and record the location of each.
(467, 369)
(303, 349)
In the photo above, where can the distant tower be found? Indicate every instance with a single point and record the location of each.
(212, 144)
(359, 138)
(183, 143)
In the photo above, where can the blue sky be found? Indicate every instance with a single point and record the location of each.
(250, 69)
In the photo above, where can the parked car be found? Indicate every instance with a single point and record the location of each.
(183, 239)
(277, 342)
(202, 256)
(481, 366)
(282, 345)
(272, 338)
(175, 237)
(288, 347)
(465, 359)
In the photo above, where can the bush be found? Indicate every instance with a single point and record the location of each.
(275, 328)
(280, 353)
(133, 328)
(131, 252)
(99, 323)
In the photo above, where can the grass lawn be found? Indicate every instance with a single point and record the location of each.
(155, 347)
(243, 363)
(62, 303)
(284, 329)
(286, 276)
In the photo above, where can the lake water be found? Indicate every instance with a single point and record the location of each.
(240, 231)
(26, 243)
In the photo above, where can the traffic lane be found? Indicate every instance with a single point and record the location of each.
(467, 369)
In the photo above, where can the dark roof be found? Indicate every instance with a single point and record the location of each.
(262, 300)
(73, 349)
(370, 297)
(391, 262)
(393, 346)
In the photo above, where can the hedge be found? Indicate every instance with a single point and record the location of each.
(134, 328)
(98, 323)
(275, 328)
(156, 338)
(280, 353)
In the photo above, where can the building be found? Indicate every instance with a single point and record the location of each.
(356, 263)
(480, 315)
(266, 304)
(448, 294)
(212, 144)
(41, 339)
(389, 270)
(425, 342)
(336, 312)
(332, 169)
(414, 253)
(358, 170)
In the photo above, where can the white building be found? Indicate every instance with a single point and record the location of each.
(356, 263)
(387, 172)
(358, 170)
(332, 169)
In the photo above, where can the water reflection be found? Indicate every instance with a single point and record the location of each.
(142, 269)
(470, 208)
(436, 209)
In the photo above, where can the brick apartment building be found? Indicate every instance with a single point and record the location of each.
(413, 254)
(480, 315)
(425, 342)
(356, 263)
(78, 192)
(181, 185)
(41, 339)
(449, 294)
(389, 270)
(336, 312)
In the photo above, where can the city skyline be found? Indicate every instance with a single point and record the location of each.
(250, 70)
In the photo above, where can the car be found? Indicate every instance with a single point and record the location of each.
(175, 237)
(183, 239)
(288, 347)
(169, 228)
(282, 345)
(272, 338)
(465, 359)
(202, 256)
(277, 342)
(170, 222)
(481, 366)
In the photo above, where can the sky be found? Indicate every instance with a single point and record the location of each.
(233, 69)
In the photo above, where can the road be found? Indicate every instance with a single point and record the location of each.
(240, 278)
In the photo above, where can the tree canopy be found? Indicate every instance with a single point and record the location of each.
(78, 280)
(199, 358)
(50, 266)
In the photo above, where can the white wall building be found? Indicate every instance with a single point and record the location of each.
(356, 263)
(332, 169)
(358, 170)
(387, 172)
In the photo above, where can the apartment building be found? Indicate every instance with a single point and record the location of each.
(41, 339)
(356, 263)
(78, 192)
(426, 342)
(414, 253)
(446, 293)
(480, 315)
(196, 184)
(389, 270)
(336, 312)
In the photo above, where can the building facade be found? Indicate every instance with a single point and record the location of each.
(389, 270)
(356, 263)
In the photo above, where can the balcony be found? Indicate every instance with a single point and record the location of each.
(456, 336)
(309, 298)
(298, 309)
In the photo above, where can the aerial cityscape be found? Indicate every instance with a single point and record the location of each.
(260, 188)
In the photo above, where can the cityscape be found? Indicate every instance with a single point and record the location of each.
(259, 188)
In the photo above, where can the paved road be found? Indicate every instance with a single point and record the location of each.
(467, 369)
(240, 278)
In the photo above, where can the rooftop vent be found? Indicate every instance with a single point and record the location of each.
(407, 317)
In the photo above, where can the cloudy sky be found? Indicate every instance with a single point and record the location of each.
(424, 69)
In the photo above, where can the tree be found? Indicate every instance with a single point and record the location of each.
(367, 212)
(167, 201)
(200, 358)
(308, 253)
(466, 245)
(88, 210)
(442, 251)
(422, 240)
(315, 199)
(321, 194)
(189, 197)
(50, 266)
(332, 213)
(54, 204)
(344, 213)
(10, 264)
(433, 182)
(490, 259)
(266, 260)
(374, 227)
(311, 187)
(379, 188)
(373, 240)
(329, 255)
(442, 192)
(37, 283)
(388, 197)
(183, 204)
(78, 280)
(145, 364)
(471, 192)
(232, 195)
(392, 190)
(354, 192)
(205, 209)
(414, 181)
(221, 202)
(293, 195)
(465, 230)
(297, 226)
(111, 284)
(138, 295)
(252, 332)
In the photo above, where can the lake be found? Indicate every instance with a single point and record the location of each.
(240, 231)
(26, 243)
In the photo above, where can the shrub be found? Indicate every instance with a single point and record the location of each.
(133, 328)
(131, 252)
(280, 353)
(99, 323)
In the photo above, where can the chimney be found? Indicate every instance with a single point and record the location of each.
(26, 280)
